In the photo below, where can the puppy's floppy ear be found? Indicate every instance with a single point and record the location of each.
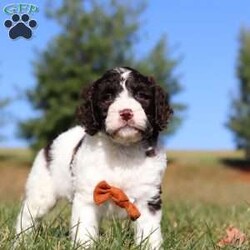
(85, 112)
(163, 111)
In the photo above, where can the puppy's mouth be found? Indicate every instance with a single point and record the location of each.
(128, 127)
(126, 134)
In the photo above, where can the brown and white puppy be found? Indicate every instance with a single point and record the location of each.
(121, 115)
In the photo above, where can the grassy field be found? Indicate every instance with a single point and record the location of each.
(203, 193)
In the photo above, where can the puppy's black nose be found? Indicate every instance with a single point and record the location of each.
(126, 114)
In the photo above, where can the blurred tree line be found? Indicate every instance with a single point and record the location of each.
(4, 101)
(94, 36)
(239, 119)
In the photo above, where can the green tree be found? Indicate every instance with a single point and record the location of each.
(94, 37)
(3, 103)
(239, 119)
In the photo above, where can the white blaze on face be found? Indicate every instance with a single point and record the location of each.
(125, 76)
(125, 132)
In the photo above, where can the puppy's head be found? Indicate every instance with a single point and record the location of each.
(126, 105)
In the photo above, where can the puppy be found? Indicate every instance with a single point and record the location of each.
(121, 115)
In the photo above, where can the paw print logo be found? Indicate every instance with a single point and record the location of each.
(20, 27)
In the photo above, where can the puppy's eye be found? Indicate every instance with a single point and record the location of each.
(107, 97)
(142, 95)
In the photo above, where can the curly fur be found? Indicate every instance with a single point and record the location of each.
(158, 113)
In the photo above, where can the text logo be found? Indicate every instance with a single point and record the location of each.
(20, 24)
(20, 8)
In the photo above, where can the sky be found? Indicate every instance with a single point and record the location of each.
(204, 34)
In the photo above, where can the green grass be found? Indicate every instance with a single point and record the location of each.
(202, 197)
(184, 226)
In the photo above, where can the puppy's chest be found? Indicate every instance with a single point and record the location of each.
(134, 174)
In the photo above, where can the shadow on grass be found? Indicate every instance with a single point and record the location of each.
(236, 163)
(171, 160)
(4, 157)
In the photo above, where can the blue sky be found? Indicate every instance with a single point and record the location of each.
(204, 33)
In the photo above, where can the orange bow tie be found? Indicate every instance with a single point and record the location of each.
(103, 192)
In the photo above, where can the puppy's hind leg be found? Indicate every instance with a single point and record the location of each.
(39, 197)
